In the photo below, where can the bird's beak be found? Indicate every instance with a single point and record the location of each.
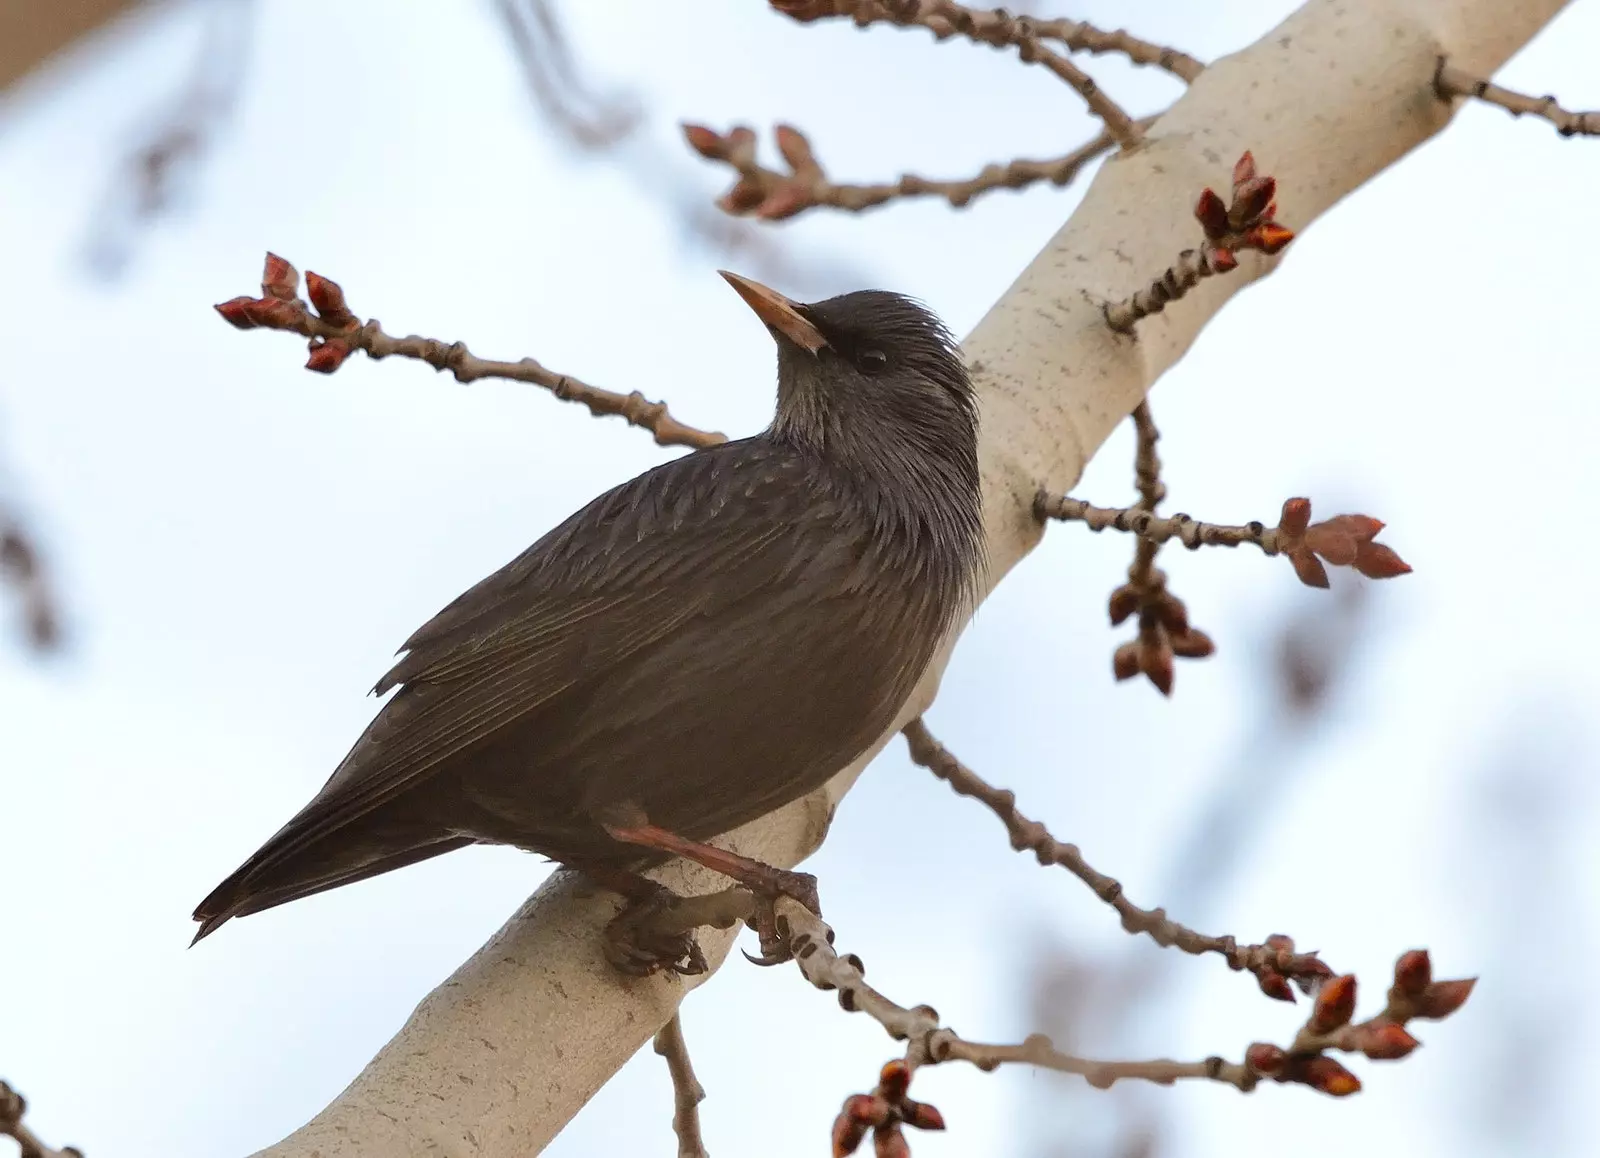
(777, 311)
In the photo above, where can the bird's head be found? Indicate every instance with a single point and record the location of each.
(865, 365)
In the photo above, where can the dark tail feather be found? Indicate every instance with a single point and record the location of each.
(250, 889)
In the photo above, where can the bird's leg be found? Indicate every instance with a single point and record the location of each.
(767, 882)
(635, 942)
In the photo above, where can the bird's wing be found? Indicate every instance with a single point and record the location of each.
(679, 543)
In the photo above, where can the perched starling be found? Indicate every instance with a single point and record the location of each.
(693, 649)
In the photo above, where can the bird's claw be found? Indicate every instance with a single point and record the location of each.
(798, 887)
(633, 947)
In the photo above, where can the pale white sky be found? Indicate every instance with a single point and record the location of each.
(241, 545)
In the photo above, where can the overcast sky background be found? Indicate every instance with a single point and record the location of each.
(240, 546)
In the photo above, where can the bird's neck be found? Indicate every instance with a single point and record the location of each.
(920, 480)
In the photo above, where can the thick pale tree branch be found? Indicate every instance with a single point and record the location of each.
(524, 1033)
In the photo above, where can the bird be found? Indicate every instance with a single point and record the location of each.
(691, 650)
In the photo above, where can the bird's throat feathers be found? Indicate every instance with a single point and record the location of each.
(908, 443)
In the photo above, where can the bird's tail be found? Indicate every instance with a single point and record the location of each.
(266, 881)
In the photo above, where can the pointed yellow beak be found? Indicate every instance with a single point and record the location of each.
(777, 311)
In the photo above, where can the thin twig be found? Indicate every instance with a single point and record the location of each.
(21, 569)
(1164, 629)
(1450, 82)
(1328, 1027)
(1272, 963)
(773, 195)
(336, 333)
(687, 1092)
(1191, 268)
(996, 28)
(1135, 520)
(1343, 541)
(152, 176)
(554, 82)
(12, 1108)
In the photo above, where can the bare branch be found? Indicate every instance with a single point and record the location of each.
(687, 1092)
(1304, 1061)
(773, 195)
(13, 1106)
(336, 333)
(1273, 963)
(153, 175)
(554, 82)
(21, 569)
(1451, 82)
(1343, 541)
(997, 28)
(1164, 629)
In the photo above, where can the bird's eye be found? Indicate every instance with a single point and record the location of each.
(871, 361)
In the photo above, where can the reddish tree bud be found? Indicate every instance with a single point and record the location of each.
(742, 198)
(703, 140)
(921, 1115)
(1173, 614)
(1309, 568)
(1249, 199)
(889, 1142)
(1327, 1076)
(237, 312)
(1265, 1058)
(784, 201)
(1281, 942)
(1123, 603)
(893, 1080)
(1443, 998)
(1385, 1041)
(1377, 561)
(326, 357)
(1268, 237)
(739, 146)
(1413, 972)
(869, 1108)
(1335, 1005)
(1362, 527)
(1155, 660)
(1125, 661)
(1212, 214)
(1223, 260)
(1244, 169)
(274, 313)
(1294, 518)
(804, 11)
(1193, 644)
(1333, 545)
(1275, 985)
(279, 279)
(794, 148)
(328, 298)
(848, 1135)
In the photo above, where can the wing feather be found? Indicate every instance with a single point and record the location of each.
(622, 575)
